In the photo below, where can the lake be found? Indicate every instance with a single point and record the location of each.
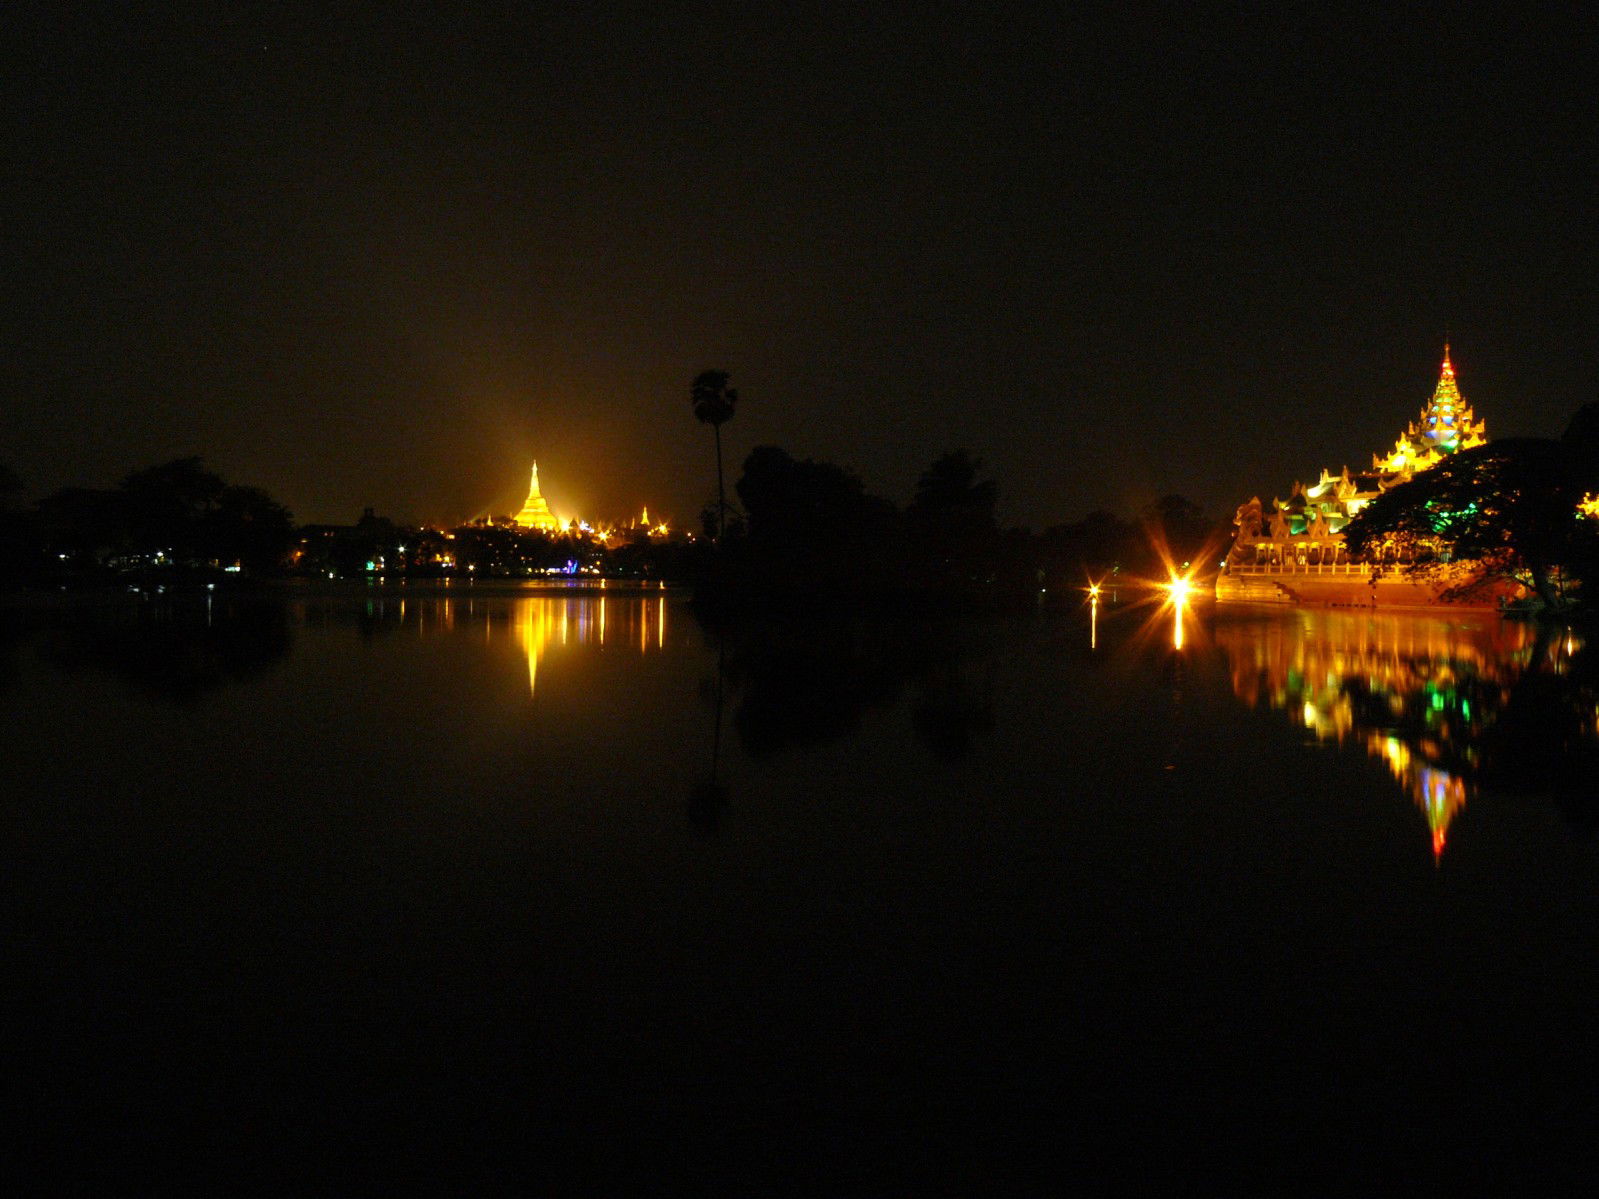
(557, 891)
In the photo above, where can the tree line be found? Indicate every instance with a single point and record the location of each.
(811, 532)
(808, 532)
(180, 523)
(791, 530)
(176, 519)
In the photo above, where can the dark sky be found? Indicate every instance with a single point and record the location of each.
(365, 259)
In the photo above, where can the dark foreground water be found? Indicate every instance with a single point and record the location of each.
(555, 892)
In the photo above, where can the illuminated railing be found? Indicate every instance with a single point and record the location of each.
(1304, 568)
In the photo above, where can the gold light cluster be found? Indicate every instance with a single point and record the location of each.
(536, 514)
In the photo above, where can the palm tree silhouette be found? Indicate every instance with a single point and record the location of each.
(713, 403)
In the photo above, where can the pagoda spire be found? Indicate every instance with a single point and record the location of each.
(536, 513)
(1446, 401)
(1447, 424)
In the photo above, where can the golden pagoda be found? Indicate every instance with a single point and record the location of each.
(536, 513)
(1447, 424)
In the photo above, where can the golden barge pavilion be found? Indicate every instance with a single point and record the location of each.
(1296, 553)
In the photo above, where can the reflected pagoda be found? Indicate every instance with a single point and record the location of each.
(1422, 694)
(1296, 554)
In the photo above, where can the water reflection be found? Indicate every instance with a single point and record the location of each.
(630, 622)
(175, 649)
(181, 647)
(586, 621)
(1442, 702)
(708, 800)
(804, 682)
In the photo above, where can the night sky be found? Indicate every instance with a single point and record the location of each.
(387, 260)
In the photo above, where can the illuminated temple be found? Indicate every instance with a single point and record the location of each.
(535, 513)
(1295, 552)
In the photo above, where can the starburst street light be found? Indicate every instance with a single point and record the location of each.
(1178, 592)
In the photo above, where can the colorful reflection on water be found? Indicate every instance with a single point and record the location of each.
(1421, 693)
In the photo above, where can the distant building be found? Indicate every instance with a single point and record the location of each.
(535, 514)
(1296, 553)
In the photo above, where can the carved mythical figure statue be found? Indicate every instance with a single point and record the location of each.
(1248, 519)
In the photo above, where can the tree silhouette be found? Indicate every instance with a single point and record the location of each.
(10, 485)
(811, 529)
(953, 533)
(950, 499)
(168, 505)
(793, 506)
(713, 402)
(249, 527)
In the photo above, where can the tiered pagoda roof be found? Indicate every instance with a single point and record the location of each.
(1447, 424)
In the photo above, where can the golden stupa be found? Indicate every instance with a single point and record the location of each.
(536, 513)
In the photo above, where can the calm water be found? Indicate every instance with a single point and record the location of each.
(555, 891)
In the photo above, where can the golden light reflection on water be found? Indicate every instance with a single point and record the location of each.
(539, 622)
(533, 627)
(1418, 692)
